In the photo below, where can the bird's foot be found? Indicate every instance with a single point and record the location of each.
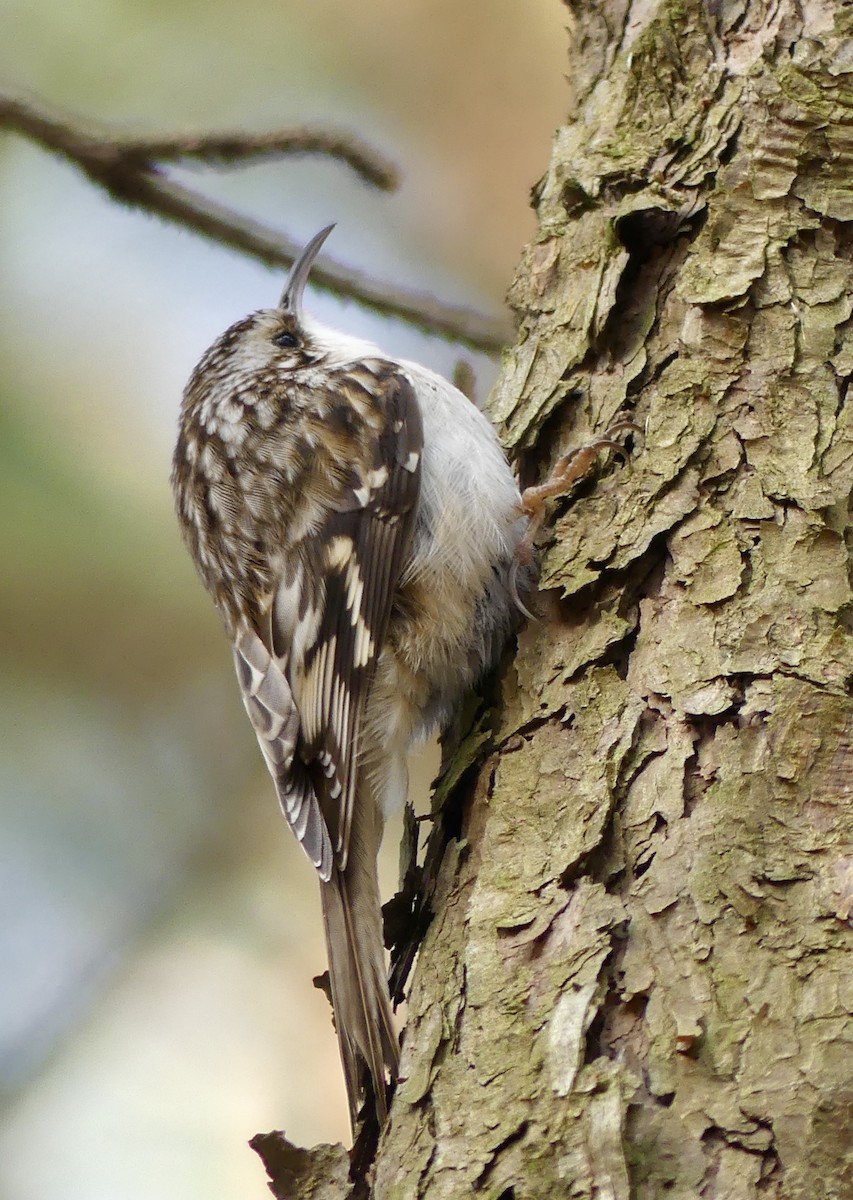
(573, 468)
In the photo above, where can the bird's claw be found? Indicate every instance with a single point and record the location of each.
(571, 469)
(575, 467)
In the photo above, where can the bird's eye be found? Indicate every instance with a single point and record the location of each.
(286, 340)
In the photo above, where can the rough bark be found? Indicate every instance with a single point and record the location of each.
(635, 983)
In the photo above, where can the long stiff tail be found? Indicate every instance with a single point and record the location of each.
(352, 919)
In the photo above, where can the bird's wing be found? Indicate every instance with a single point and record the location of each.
(330, 614)
(275, 719)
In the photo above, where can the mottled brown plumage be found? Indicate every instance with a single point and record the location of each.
(354, 520)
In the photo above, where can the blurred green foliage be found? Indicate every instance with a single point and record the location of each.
(126, 764)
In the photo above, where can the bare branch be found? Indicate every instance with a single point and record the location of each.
(57, 132)
(129, 171)
(227, 149)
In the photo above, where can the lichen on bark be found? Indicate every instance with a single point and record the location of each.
(635, 982)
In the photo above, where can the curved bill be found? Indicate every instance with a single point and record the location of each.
(291, 297)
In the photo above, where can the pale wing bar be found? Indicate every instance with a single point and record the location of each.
(350, 573)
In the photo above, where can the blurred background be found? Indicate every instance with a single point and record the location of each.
(158, 926)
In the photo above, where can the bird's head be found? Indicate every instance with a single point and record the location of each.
(284, 342)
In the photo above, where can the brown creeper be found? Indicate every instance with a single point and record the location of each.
(354, 520)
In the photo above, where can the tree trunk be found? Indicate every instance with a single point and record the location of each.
(634, 984)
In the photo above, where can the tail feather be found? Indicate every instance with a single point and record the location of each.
(352, 920)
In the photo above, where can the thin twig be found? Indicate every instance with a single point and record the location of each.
(57, 132)
(227, 149)
(128, 170)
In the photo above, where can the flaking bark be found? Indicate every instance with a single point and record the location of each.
(635, 983)
(637, 980)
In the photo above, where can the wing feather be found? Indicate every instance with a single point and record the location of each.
(358, 558)
(275, 718)
(329, 619)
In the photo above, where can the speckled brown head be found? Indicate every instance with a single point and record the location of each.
(272, 419)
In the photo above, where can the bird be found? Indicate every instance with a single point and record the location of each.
(356, 523)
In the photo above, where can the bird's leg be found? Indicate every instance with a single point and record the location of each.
(571, 470)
